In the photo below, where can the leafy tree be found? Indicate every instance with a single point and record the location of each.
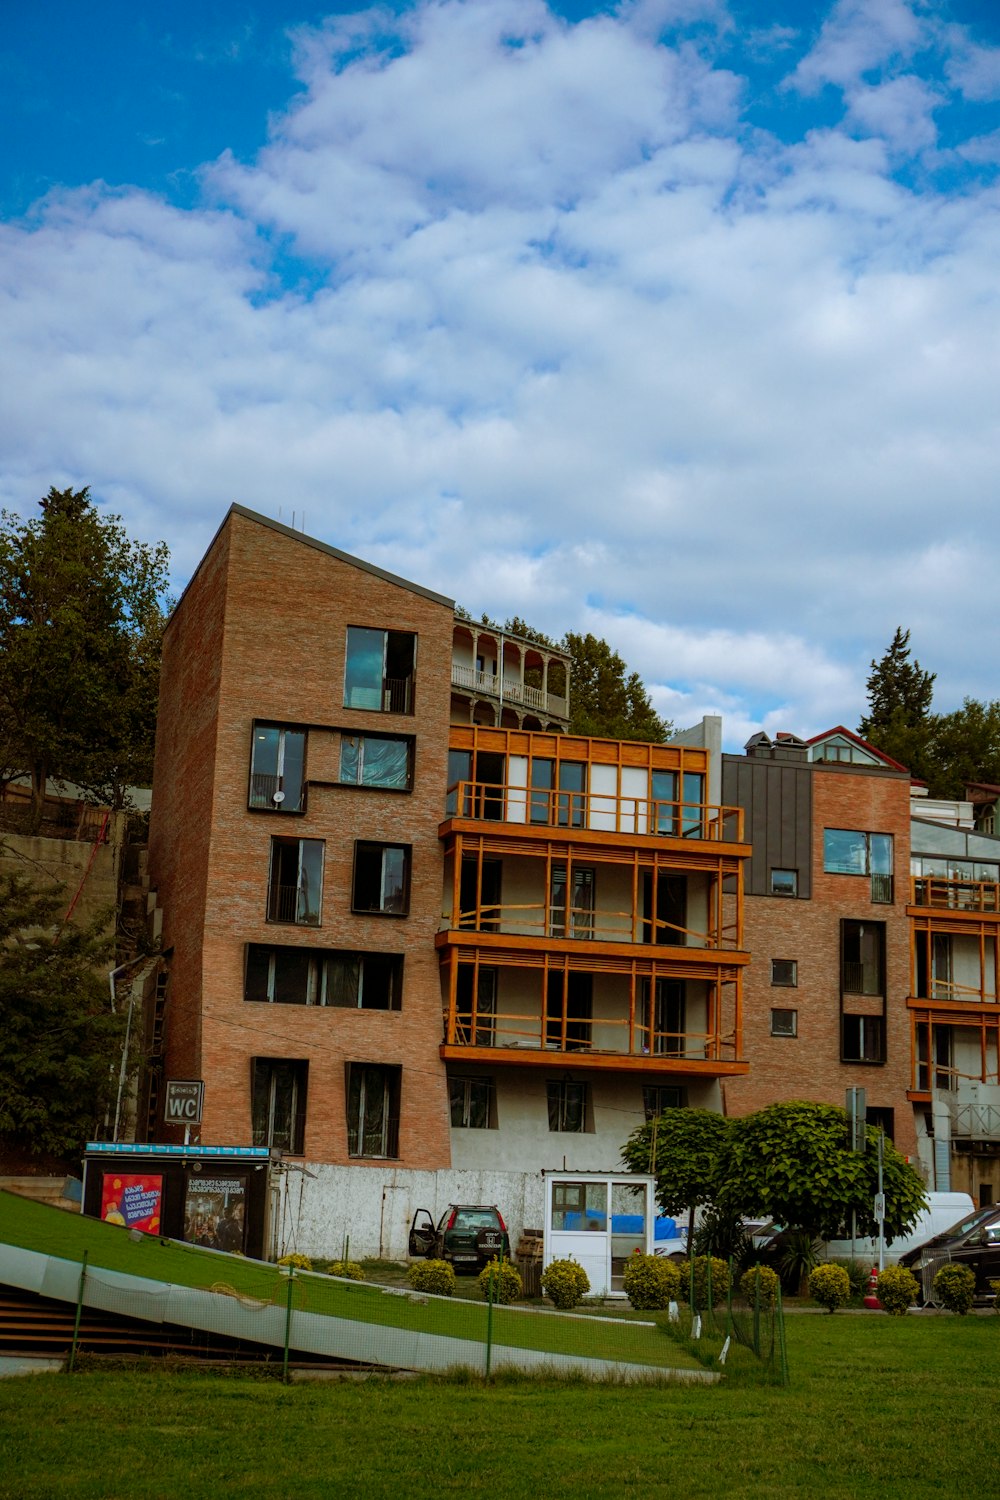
(58, 1035)
(81, 615)
(791, 1161)
(899, 701)
(606, 699)
(964, 747)
(681, 1148)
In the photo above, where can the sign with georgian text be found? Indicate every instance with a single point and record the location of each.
(182, 1101)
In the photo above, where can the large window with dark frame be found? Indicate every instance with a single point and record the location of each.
(277, 769)
(278, 1102)
(473, 1103)
(381, 878)
(380, 669)
(568, 1106)
(295, 881)
(319, 976)
(863, 1039)
(382, 761)
(372, 1109)
(571, 902)
(851, 851)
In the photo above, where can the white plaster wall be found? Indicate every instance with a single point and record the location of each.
(522, 893)
(603, 805)
(613, 903)
(697, 910)
(966, 972)
(517, 797)
(609, 1031)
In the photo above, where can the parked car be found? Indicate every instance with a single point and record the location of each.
(468, 1235)
(974, 1241)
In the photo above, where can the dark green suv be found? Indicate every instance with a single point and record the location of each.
(468, 1235)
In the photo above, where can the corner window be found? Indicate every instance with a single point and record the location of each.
(784, 882)
(278, 1102)
(295, 882)
(568, 1105)
(376, 760)
(380, 669)
(381, 878)
(277, 769)
(372, 1110)
(862, 1039)
(785, 971)
(316, 976)
(473, 1103)
(784, 1023)
(848, 851)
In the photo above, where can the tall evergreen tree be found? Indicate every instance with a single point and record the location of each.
(899, 720)
(81, 615)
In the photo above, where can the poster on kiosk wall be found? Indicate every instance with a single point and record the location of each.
(215, 1212)
(133, 1200)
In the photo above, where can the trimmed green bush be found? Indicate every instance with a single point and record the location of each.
(296, 1261)
(897, 1289)
(720, 1281)
(348, 1268)
(955, 1288)
(434, 1276)
(763, 1277)
(506, 1282)
(565, 1283)
(651, 1282)
(830, 1286)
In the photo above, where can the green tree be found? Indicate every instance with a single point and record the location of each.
(59, 1039)
(964, 747)
(81, 616)
(791, 1161)
(682, 1149)
(606, 699)
(899, 701)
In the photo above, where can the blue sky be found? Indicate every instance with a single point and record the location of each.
(675, 320)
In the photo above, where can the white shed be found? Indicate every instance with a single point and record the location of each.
(599, 1220)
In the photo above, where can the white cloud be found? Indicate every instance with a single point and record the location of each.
(522, 310)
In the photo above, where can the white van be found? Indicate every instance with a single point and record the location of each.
(942, 1211)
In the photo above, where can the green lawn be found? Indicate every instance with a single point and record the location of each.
(108, 1246)
(877, 1407)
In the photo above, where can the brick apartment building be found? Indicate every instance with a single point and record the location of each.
(422, 942)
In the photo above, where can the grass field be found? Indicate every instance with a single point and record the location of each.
(878, 1406)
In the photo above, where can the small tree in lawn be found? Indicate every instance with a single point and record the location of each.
(681, 1149)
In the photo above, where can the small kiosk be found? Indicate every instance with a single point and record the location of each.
(599, 1219)
(216, 1196)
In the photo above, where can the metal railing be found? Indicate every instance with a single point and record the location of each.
(599, 811)
(980, 1122)
(513, 691)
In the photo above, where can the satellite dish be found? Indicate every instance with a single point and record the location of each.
(278, 797)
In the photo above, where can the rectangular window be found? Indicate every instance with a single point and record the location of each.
(473, 1103)
(784, 882)
(278, 1102)
(317, 976)
(785, 971)
(848, 851)
(568, 1105)
(277, 769)
(862, 957)
(661, 1010)
(380, 669)
(376, 760)
(656, 1098)
(784, 1023)
(381, 878)
(295, 881)
(558, 792)
(475, 1005)
(578, 920)
(863, 1039)
(569, 1032)
(692, 809)
(665, 812)
(372, 1110)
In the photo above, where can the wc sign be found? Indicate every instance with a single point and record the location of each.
(182, 1102)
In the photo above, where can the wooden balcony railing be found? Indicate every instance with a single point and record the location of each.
(955, 895)
(596, 811)
(588, 924)
(536, 1030)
